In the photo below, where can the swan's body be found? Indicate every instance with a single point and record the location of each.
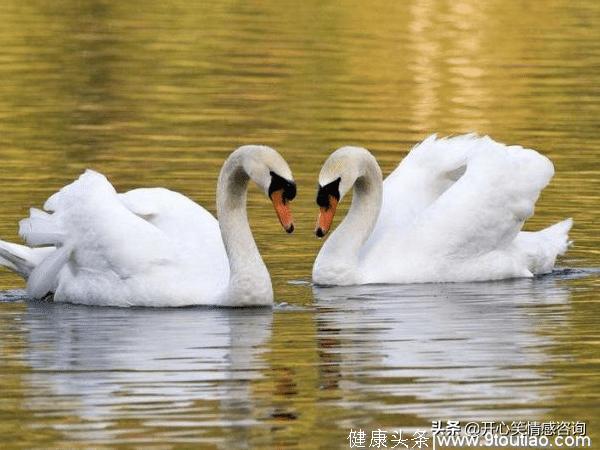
(148, 247)
(451, 211)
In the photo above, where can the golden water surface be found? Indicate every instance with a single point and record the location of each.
(157, 93)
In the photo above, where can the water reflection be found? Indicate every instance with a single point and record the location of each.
(366, 356)
(444, 350)
(154, 367)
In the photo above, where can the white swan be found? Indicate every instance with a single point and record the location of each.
(451, 211)
(153, 247)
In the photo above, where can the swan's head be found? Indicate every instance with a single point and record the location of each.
(271, 173)
(338, 175)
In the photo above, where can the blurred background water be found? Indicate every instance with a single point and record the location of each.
(157, 93)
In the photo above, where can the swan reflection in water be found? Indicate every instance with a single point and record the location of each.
(161, 367)
(470, 350)
(430, 351)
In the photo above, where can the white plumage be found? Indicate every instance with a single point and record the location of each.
(116, 256)
(451, 211)
(147, 247)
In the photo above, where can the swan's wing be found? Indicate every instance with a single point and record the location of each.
(184, 221)
(428, 170)
(486, 208)
(105, 249)
(93, 233)
(173, 213)
(479, 213)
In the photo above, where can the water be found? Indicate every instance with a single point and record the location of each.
(160, 93)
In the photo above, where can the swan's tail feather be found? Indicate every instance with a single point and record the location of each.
(543, 247)
(40, 228)
(44, 278)
(39, 266)
(21, 259)
(13, 257)
(6, 263)
(557, 236)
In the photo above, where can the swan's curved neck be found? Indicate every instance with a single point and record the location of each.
(342, 248)
(249, 280)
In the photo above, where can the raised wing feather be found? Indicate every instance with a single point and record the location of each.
(451, 200)
(486, 208)
(430, 168)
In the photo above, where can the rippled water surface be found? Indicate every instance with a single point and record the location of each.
(157, 93)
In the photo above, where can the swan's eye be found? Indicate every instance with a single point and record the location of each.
(279, 183)
(329, 190)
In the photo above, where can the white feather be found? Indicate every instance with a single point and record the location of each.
(44, 277)
(148, 247)
(451, 211)
(20, 258)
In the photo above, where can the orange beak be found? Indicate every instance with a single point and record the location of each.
(282, 208)
(326, 217)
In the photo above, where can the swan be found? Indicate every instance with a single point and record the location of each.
(152, 247)
(451, 211)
